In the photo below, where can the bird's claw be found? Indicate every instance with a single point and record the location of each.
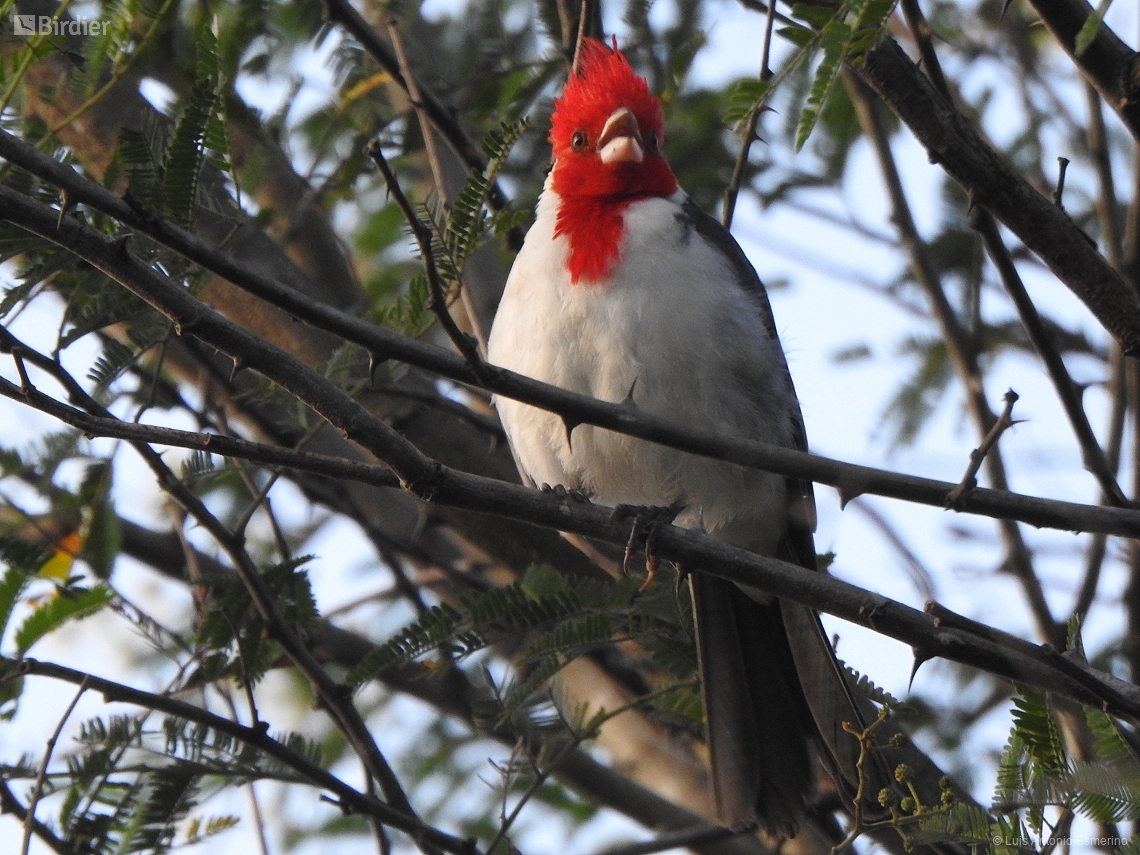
(647, 522)
(561, 492)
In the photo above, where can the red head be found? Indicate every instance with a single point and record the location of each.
(606, 132)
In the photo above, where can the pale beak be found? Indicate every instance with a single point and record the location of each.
(620, 140)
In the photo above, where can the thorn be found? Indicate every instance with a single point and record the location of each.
(375, 360)
(65, 205)
(340, 803)
(847, 493)
(920, 659)
(238, 366)
(121, 245)
(183, 327)
(569, 424)
(628, 401)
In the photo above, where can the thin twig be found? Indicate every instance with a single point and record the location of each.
(41, 774)
(1092, 454)
(254, 802)
(733, 190)
(464, 343)
(258, 738)
(335, 701)
(688, 838)
(978, 455)
(426, 130)
(580, 35)
(918, 572)
(9, 804)
(961, 346)
(1059, 193)
(987, 648)
(1110, 227)
(342, 12)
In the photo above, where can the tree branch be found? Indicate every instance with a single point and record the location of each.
(350, 799)
(963, 641)
(961, 346)
(951, 142)
(1107, 63)
(850, 479)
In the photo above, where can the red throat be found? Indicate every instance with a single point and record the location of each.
(595, 195)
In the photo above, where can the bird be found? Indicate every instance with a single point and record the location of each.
(625, 290)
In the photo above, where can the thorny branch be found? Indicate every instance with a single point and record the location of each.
(991, 650)
(349, 798)
(1091, 452)
(962, 347)
(1108, 63)
(978, 455)
(334, 700)
(851, 480)
(420, 231)
(951, 141)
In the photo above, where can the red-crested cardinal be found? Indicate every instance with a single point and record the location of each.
(625, 290)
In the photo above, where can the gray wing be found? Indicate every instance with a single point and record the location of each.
(768, 666)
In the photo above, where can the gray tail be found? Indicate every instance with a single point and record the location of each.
(771, 688)
(756, 719)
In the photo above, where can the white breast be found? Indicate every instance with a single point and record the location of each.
(671, 324)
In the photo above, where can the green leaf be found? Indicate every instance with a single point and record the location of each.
(113, 361)
(817, 15)
(745, 95)
(1090, 27)
(1034, 724)
(833, 40)
(182, 163)
(383, 228)
(1108, 742)
(11, 586)
(104, 537)
(799, 36)
(67, 605)
(1106, 792)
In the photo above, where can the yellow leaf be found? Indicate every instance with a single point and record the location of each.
(59, 565)
(372, 81)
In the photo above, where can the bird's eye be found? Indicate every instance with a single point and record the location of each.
(578, 141)
(653, 139)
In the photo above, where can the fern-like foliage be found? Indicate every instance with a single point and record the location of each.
(130, 786)
(565, 619)
(231, 637)
(182, 163)
(457, 233)
(470, 221)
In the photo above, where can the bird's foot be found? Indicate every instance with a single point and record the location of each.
(561, 492)
(647, 522)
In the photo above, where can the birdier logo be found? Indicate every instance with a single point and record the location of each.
(45, 25)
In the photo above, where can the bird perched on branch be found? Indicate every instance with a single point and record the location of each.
(625, 290)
